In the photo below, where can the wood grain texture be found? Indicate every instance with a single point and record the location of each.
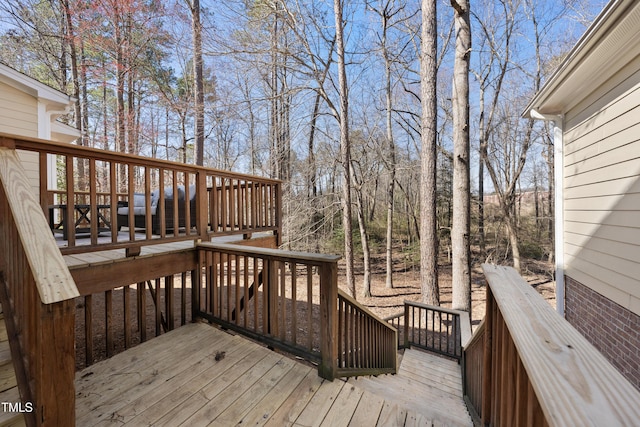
(175, 380)
(573, 382)
(52, 277)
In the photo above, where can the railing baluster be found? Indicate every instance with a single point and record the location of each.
(108, 309)
(88, 329)
(294, 303)
(126, 317)
(183, 298)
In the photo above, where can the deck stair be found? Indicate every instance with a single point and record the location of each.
(8, 385)
(426, 384)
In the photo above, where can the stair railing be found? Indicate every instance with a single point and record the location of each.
(528, 366)
(436, 329)
(37, 294)
(290, 300)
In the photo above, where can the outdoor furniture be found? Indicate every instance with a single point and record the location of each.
(82, 222)
(139, 210)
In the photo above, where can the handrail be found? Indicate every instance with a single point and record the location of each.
(51, 276)
(276, 297)
(540, 370)
(472, 360)
(367, 345)
(215, 202)
(283, 298)
(433, 328)
(36, 292)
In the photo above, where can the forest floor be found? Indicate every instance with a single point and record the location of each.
(386, 302)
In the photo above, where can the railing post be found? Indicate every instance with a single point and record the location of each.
(56, 395)
(202, 205)
(272, 296)
(328, 320)
(405, 344)
(278, 213)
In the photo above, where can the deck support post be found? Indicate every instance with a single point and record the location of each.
(328, 320)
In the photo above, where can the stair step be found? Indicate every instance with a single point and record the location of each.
(426, 385)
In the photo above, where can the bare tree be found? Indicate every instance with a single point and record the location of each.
(429, 123)
(460, 230)
(198, 80)
(345, 149)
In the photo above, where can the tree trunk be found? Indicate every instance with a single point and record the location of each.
(364, 237)
(481, 132)
(345, 149)
(460, 230)
(196, 28)
(428, 200)
(391, 158)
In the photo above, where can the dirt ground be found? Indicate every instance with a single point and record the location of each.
(386, 302)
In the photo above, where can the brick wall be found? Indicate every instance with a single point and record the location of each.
(611, 328)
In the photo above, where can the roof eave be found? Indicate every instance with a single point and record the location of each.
(568, 75)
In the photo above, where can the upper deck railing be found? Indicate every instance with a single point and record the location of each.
(98, 200)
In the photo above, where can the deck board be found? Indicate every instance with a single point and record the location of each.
(422, 377)
(175, 379)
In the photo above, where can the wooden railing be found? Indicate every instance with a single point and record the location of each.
(121, 317)
(367, 345)
(37, 294)
(187, 202)
(473, 358)
(536, 369)
(436, 329)
(290, 300)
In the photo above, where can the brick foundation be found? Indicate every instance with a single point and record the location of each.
(612, 329)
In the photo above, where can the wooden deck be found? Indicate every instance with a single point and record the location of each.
(198, 375)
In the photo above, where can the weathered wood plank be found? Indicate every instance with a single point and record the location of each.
(244, 402)
(344, 407)
(283, 391)
(117, 390)
(179, 403)
(320, 403)
(225, 396)
(156, 402)
(392, 415)
(368, 410)
(291, 409)
(417, 420)
(52, 277)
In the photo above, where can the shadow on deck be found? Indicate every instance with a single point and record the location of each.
(198, 375)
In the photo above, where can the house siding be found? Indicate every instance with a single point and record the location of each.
(602, 190)
(18, 112)
(19, 116)
(611, 328)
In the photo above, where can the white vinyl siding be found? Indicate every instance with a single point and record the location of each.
(18, 112)
(602, 191)
(19, 116)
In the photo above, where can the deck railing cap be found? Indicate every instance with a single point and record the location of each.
(50, 272)
(573, 381)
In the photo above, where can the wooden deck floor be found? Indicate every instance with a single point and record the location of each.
(198, 375)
